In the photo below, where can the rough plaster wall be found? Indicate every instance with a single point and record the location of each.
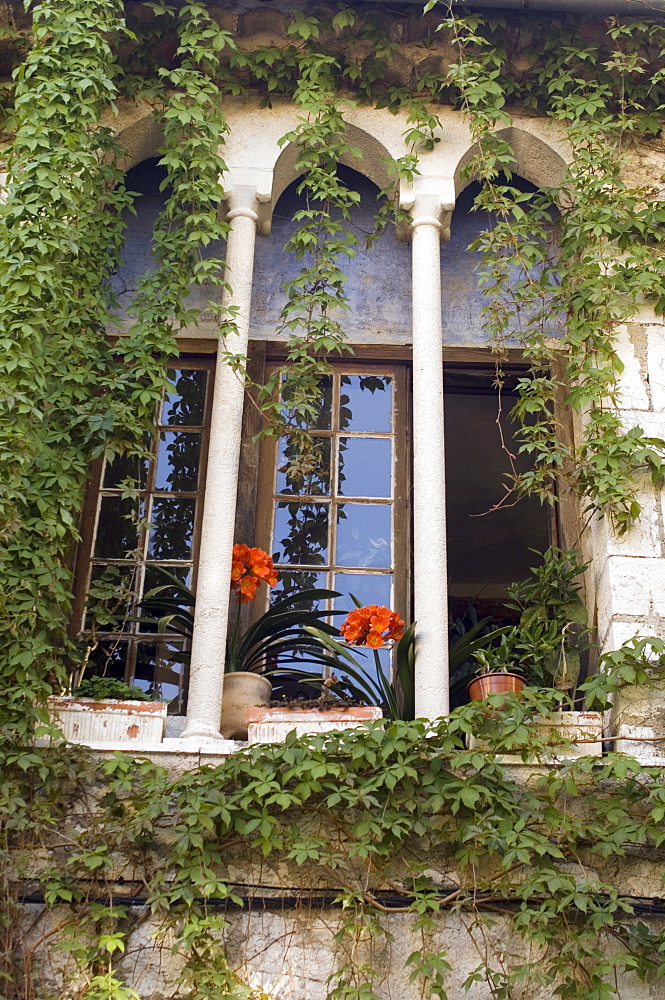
(290, 954)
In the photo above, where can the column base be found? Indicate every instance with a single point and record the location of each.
(196, 730)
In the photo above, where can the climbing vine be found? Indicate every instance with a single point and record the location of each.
(377, 824)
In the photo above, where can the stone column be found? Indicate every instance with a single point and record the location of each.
(204, 702)
(429, 491)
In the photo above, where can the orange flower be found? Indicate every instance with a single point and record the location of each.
(366, 626)
(249, 567)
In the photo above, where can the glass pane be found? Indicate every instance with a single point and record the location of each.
(184, 404)
(290, 584)
(172, 528)
(369, 588)
(316, 482)
(365, 467)
(110, 600)
(301, 533)
(178, 462)
(160, 669)
(133, 467)
(365, 403)
(363, 535)
(321, 407)
(154, 577)
(109, 659)
(367, 662)
(117, 536)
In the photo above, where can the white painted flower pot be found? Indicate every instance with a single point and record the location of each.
(584, 728)
(271, 725)
(107, 720)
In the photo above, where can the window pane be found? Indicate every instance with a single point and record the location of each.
(159, 670)
(292, 583)
(301, 533)
(185, 403)
(110, 601)
(316, 482)
(117, 536)
(365, 403)
(134, 467)
(172, 528)
(369, 588)
(322, 406)
(365, 467)
(178, 462)
(154, 578)
(109, 659)
(363, 535)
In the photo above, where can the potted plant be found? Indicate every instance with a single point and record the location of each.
(98, 709)
(544, 650)
(497, 671)
(350, 697)
(280, 633)
(105, 710)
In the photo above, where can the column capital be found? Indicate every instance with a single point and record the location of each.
(430, 202)
(246, 200)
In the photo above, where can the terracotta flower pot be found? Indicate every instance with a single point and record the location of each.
(242, 690)
(486, 684)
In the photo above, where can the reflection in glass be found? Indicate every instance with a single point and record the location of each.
(363, 535)
(154, 577)
(322, 405)
(301, 533)
(133, 467)
(108, 659)
(110, 597)
(291, 583)
(365, 403)
(369, 588)
(178, 462)
(316, 482)
(159, 670)
(365, 467)
(172, 528)
(185, 403)
(117, 536)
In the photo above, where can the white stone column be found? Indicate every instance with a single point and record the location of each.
(429, 470)
(204, 701)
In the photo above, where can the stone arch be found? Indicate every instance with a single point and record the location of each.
(536, 160)
(371, 164)
(140, 141)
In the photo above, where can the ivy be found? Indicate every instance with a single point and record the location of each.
(362, 814)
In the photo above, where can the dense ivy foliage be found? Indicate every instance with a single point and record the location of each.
(361, 814)
(385, 822)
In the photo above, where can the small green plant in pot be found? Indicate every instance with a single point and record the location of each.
(498, 668)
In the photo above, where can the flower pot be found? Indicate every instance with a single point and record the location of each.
(497, 683)
(107, 720)
(271, 725)
(242, 690)
(584, 729)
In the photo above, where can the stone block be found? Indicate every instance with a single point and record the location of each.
(644, 539)
(632, 381)
(629, 585)
(638, 723)
(655, 335)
